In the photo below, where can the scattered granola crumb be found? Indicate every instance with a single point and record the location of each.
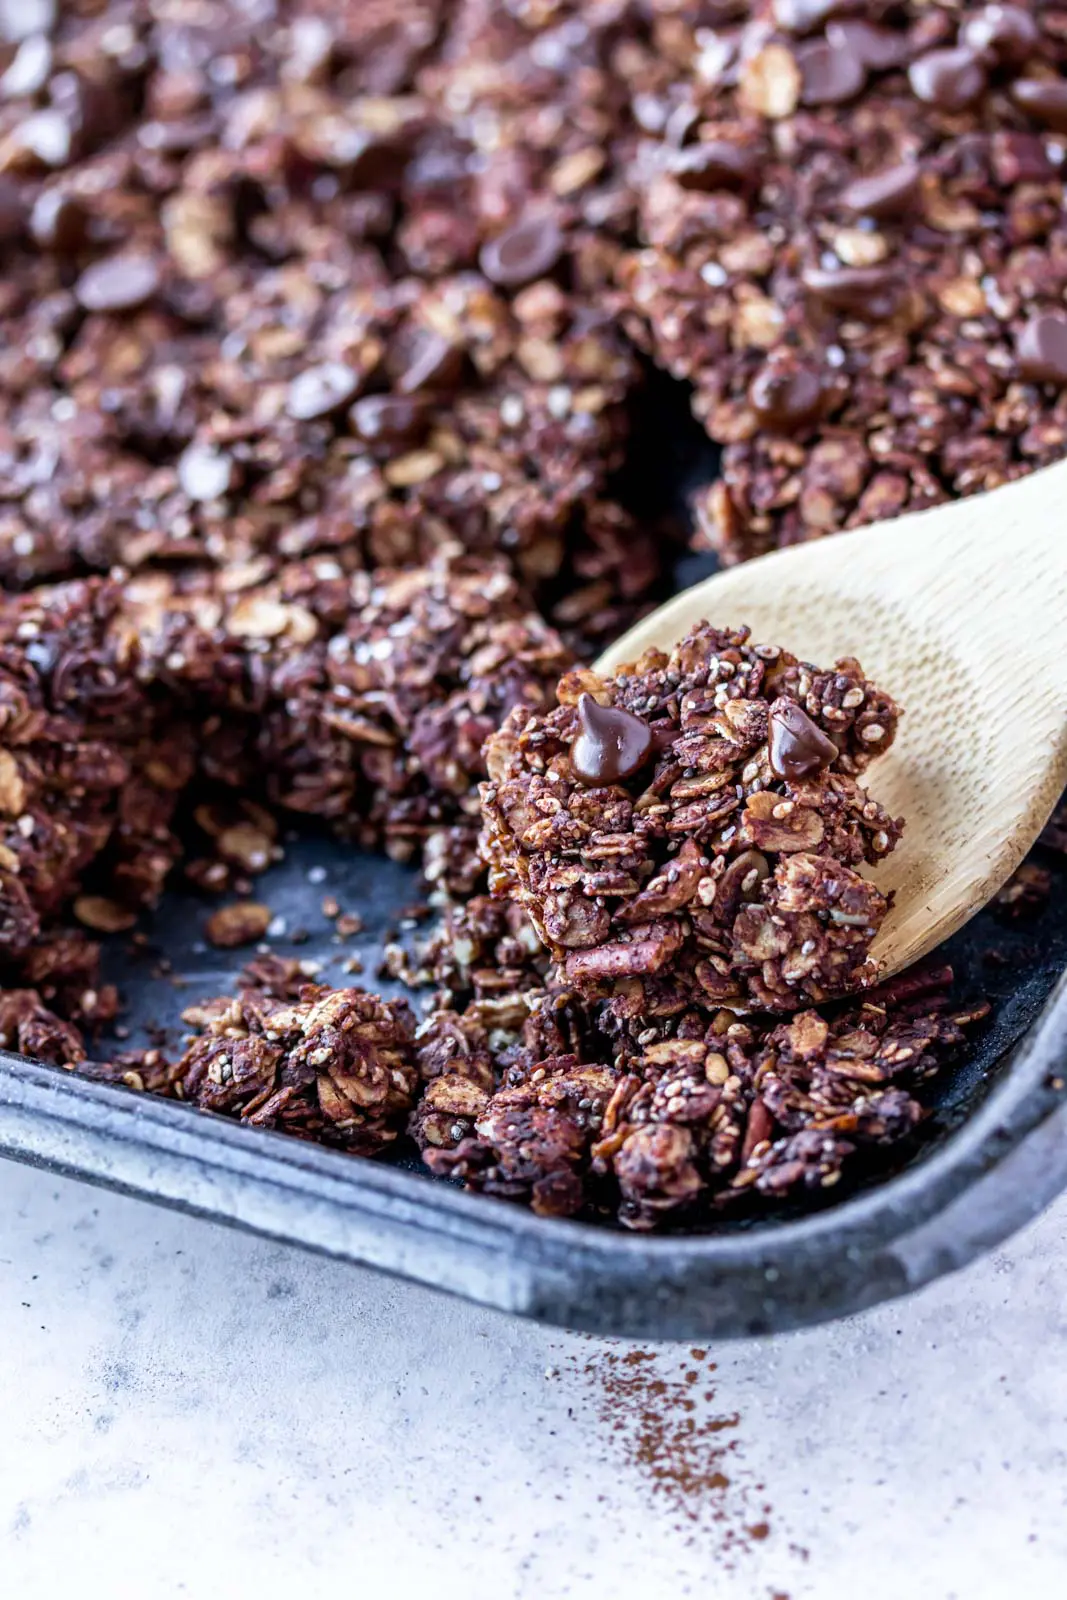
(242, 923)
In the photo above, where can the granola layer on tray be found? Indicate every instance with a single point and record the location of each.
(324, 331)
(363, 700)
(259, 303)
(691, 829)
(853, 246)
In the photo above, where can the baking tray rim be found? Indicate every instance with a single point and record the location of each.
(999, 1168)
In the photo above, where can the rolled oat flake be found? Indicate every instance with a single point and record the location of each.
(797, 747)
(613, 744)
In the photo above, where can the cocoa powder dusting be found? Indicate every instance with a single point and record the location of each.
(658, 1411)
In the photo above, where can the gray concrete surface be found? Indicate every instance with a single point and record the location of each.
(187, 1411)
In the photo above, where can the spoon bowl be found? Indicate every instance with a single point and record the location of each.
(960, 613)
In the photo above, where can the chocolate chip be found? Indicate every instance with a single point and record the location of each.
(12, 212)
(434, 363)
(869, 292)
(368, 160)
(878, 49)
(59, 222)
(785, 397)
(950, 80)
(715, 165)
(612, 745)
(1044, 99)
(204, 472)
(889, 193)
(522, 253)
(1041, 349)
(1007, 35)
(119, 283)
(796, 746)
(387, 419)
(830, 74)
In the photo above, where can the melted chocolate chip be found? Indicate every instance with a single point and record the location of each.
(869, 292)
(1041, 349)
(387, 419)
(786, 397)
(715, 165)
(522, 253)
(796, 746)
(1005, 35)
(612, 745)
(889, 193)
(830, 74)
(204, 472)
(1044, 99)
(322, 391)
(949, 80)
(120, 283)
(433, 363)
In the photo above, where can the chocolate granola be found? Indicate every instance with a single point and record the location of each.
(690, 829)
(853, 247)
(259, 305)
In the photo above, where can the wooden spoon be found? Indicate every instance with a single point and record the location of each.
(959, 612)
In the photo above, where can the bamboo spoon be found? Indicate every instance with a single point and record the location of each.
(959, 612)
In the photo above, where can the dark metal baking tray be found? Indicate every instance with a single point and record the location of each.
(994, 1151)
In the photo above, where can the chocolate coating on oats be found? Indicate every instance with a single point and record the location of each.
(796, 746)
(612, 744)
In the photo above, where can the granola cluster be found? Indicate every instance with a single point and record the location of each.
(677, 1120)
(332, 1065)
(852, 245)
(691, 829)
